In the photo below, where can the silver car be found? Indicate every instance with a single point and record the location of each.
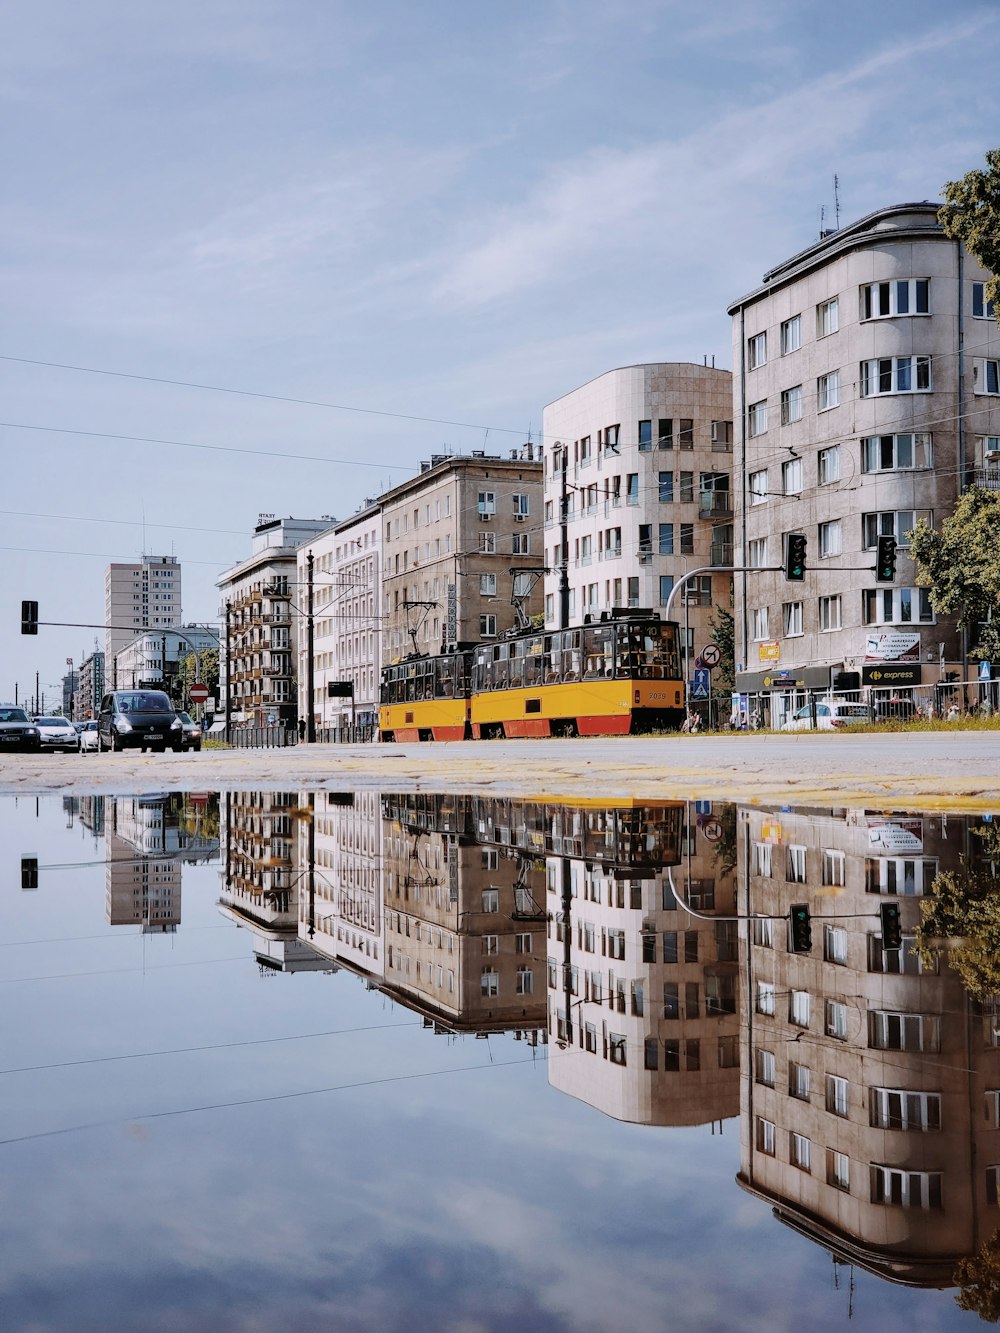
(831, 714)
(57, 733)
(88, 736)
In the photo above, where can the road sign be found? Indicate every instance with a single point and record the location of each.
(701, 684)
(711, 655)
(712, 829)
(198, 692)
(985, 670)
(703, 807)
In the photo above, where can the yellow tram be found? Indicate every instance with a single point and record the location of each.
(618, 674)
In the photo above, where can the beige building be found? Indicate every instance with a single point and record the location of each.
(143, 872)
(641, 459)
(867, 397)
(138, 597)
(870, 1087)
(451, 536)
(347, 621)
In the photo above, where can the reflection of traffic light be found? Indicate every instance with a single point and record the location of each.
(29, 872)
(801, 927)
(892, 935)
(29, 617)
(795, 556)
(885, 560)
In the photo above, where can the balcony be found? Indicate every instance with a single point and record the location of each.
(987, 478)
(715, 504)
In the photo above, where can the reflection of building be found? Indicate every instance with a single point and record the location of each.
(642, 994)
(342, 914)
(143, 879)
(870, 1096)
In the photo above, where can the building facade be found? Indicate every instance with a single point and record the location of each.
(139, 597)
(867, 398)
(90, 686)
(262, 609)
(638, 471)
(151, 660)
(460, 542)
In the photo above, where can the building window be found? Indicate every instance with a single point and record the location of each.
(521, 505)
(834, 869)
(986, 377)
(895, 374)
(521, 544)
(759, 624)
(666, 588)
(838, 1170)
(905, 1189)
(897, 1108)
(645, 435)
(687, 539)
(491, 900)
(896, 606)
(757, 418)
(609, 438)
(798, 1081)
(837, 1095)
(835, 945)
(791, 335)
(799, 1151)
(488, 543)
(835, 1019)
(766, 1136)
(685, 433)
(908, 876)
(761, 859)
(791, 405)
(766, 1068)
(898, 523)
(827, 317)
(791, 476)
(756, 351)
(828, 391)
(487, 585)
(765, 997)
(758, 487)
(828, 465)
(666, 539)
(524, 981)
(488, 627)
(665, 483)
(487, 503)
(799, 1008)
(896, 453)
(763, 932)
(830, 539)
(889, 1031)
(982, 308)
(906, 296)
(489, 982)
(791, 617)
(796, 865)
(829, 613)
(632, 489)
(687, 487)
(757, 552)
(522, 943)
(616, 1048)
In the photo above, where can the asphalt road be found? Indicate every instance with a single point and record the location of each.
(927, 770)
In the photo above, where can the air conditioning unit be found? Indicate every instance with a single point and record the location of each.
(519, 518)
(484, 518)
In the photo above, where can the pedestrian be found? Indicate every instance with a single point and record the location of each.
(302, 728)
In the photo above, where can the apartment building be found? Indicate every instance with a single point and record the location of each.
(870, 1098)
(138, 597)
(262, 608)
(90, 685)
(347, 624)
(638, 472)
(460, 542)
(867, 397)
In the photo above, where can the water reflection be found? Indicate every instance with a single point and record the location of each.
(647, 949)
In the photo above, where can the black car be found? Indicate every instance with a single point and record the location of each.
(17, 731)
(137, 719)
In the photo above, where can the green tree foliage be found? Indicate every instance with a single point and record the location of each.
(960, 565)
(978, 1280)
(962, 916)
(724, 638)
(972, 215)
(208, 660)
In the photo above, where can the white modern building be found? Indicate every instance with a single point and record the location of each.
(867, 397)
(150, 660)
(640, 462)
(138, 597)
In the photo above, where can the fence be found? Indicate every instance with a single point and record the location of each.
(243, 738)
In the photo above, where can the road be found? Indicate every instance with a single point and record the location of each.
(911, 770)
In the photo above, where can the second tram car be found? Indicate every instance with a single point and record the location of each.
(617, 675)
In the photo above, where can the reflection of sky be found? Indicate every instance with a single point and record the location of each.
(464, 1200)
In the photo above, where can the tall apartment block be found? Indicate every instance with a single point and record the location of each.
(138, 597)
(867, 397)
(645, 456)
(460, 540)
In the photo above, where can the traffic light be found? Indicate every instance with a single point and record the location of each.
(29, 617)
(29, 872)
(885, 561)
(892, 935)
(795, 557)
(801, 928)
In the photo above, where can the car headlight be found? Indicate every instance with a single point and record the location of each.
(177, 725)
(122, 724)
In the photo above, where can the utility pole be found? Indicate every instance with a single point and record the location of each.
(310, 656)
(563, 534)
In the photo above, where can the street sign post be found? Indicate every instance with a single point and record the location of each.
(701, 684)
(711, 655)
(198, 692)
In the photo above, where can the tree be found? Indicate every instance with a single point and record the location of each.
(972, 215)
(960, 564)
(963, 910)
(978, 1279)
(724, 638)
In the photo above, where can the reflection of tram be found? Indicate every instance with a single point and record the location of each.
(617, 676)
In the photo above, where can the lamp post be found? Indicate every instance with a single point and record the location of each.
(310, 655)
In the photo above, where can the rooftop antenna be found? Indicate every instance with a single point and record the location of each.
(836, 200)
(822, 220)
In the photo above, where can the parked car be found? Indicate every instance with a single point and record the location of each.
(17, 731)
(137, 719)
(830, 714)
(57, 733)
(88, 736)
(192, 732)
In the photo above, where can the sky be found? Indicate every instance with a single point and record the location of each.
(267, 257)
